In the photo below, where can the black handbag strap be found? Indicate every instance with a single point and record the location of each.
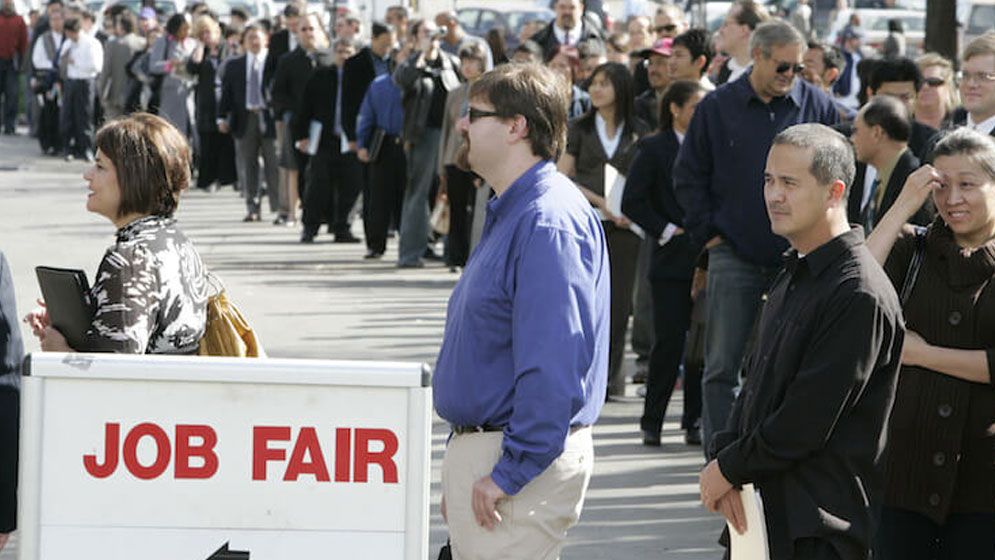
(914, 265)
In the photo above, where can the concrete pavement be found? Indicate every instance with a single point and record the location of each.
(325, 301)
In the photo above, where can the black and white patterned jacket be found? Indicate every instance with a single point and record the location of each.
(150, 292)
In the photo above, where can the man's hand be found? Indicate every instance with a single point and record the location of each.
(223, 128)
(363, 155)
(714, 242)
(698, 282)
(913, 349)
(731, 507)
(486, 495)
(713, 485)
(303, 145)
(352, 146)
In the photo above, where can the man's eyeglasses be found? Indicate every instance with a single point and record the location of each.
(669, 28)
(474, 114)
(935, 82)
(305, 29)
(980, 77)
(783, 67)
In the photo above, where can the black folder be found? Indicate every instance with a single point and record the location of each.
(376, 144)
(67, 297)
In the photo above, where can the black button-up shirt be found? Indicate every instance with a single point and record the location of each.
(719, 174)
(807, 428)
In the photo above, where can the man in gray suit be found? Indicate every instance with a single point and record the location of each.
(114, 84)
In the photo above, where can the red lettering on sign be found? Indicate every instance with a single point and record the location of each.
(343, 447)
(130, 451)
(112, 433)
(307, 443)
(261, 453)
(385, 458)
(185, 449)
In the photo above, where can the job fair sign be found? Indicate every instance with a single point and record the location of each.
(178, 458)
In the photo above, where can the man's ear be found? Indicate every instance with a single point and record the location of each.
(837, 191)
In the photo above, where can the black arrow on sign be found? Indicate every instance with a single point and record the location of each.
(224, 554)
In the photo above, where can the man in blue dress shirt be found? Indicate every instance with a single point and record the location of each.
(522, 372)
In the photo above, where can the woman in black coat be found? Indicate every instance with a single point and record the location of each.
(216, 154)
(649, 201)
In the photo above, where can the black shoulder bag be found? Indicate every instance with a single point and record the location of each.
(914, 265)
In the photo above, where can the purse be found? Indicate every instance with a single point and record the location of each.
(227, 332)
(440, 217)
(915, 264)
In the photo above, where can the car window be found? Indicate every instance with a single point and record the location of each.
(166, 8)
(982, 19)
(488, 19)
(468, 18)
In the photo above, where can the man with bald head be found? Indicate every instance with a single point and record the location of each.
(456, 38)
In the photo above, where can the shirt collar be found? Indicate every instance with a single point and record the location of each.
(985, 127)
(795, 95)
(824, 255)
(525, 189)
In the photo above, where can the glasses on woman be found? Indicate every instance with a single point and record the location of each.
(935, 82)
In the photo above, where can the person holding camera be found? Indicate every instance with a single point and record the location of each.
(425, 79)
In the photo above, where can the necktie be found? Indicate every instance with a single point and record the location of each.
(254, 90)
(566, 37)
(872, 205)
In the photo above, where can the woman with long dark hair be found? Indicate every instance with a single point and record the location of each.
(650, 202)
(606, 136)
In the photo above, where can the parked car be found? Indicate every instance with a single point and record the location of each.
(980, 20)
(874, 23)
(478, 18)
(255, 8)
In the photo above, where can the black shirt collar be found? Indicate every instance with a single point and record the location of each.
(824, 255)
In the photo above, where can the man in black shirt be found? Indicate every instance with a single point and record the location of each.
(808, 427)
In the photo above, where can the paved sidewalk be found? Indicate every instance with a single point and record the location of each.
(325, 301)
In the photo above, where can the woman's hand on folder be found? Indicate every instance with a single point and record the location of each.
(713, 485)
(38, 319)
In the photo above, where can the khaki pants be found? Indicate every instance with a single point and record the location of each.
(535, 521)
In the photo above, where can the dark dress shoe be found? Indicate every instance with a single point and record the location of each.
(251, 217)
(346, 237)
(651, 438)
(430, 255)
(307, 237)
(373, 255)
(415, 264)
(280, 220)
(692, 436)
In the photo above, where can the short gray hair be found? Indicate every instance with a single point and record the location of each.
(977, 147)
(832, 155)
(774, 34)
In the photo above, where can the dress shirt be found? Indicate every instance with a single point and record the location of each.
(381, 66)
(719, 171)
(86, 56)
(736, 70)
(807, 428)
(561, 35)
(39, 56)
(526, 339)
(254, 62)
(608, 143)
(381, 108)
(985, 127)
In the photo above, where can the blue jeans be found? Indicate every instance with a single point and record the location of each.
(422, 159)
(9, 82)
(735, 288)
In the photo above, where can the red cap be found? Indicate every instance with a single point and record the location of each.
(663, 46)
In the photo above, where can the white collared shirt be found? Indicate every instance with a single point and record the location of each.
(561, 35)
(985, 127)
(736, 70)
(86, 57)
(610, 145)
(39, 56)
(257, 61)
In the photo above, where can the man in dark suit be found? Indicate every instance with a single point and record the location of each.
(880, 139)
(333, 175)
(568, 28)
(284, 40)
(360, 70)
(243, 113)
(11, 356)
(287, 93)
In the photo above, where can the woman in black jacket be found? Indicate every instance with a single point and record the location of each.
(649, 201)
(216, 153)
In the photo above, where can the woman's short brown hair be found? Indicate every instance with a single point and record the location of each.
(536, 93)
(152, 162)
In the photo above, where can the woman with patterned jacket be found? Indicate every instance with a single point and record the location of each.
(150, 293)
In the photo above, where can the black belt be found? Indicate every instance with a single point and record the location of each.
(460, 430)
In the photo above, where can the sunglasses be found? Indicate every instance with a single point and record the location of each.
(669, 28)
(785, 66)
(474, 114)
(935, 82)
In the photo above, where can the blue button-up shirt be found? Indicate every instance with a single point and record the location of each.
(526, 340)
(381, 108)
(719, 171)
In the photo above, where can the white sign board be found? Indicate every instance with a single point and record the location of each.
(184, 458)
